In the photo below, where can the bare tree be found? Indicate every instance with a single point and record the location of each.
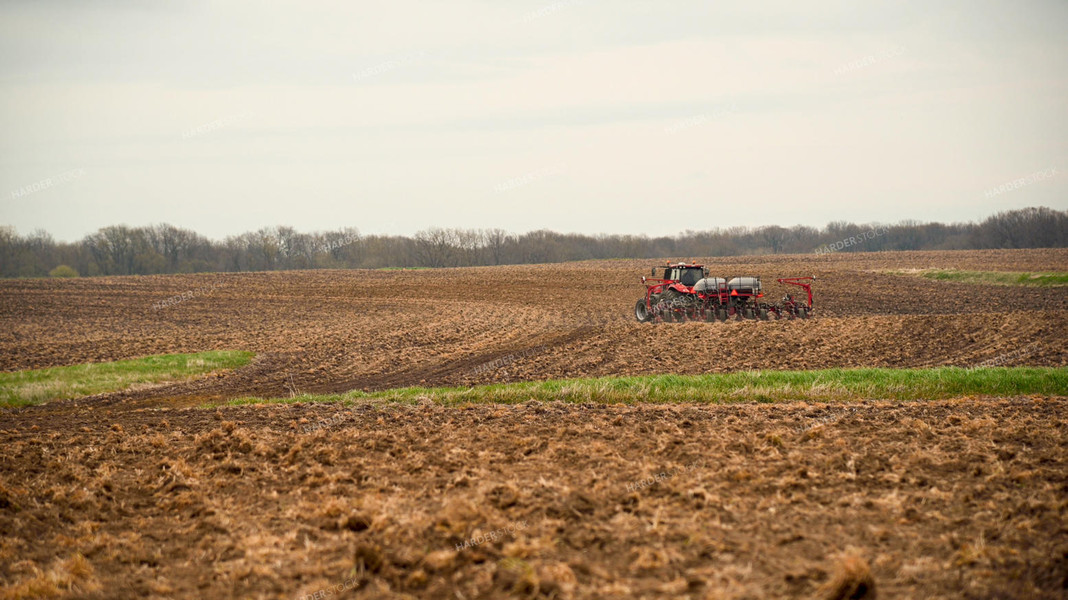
(435, 247)
(121, 250)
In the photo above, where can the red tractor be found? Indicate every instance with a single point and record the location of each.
(685, 292)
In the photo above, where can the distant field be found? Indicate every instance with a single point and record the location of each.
(827, 385)
(334, 331)
(35, 386)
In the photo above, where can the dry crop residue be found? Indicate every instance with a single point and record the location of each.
(944, 499)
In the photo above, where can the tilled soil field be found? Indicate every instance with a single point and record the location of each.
(136, 494)
(330, 331)
(947, 499)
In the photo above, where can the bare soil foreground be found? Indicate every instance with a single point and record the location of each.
(137, 494)
(957, 499)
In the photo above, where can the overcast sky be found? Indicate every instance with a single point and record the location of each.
(590, 116)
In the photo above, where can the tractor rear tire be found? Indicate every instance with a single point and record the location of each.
(641, 312)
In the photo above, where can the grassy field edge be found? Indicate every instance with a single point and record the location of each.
(745, 386)
(1009, 278)
(35, 386)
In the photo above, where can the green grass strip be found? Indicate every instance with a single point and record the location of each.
(1040, 279)
(35, 386)
(826, 385)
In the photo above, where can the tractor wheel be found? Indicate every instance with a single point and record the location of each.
(710, 315)
(748, 314)
(721, 314)
(763, 314)
(802, 313)
(641, 312)
(667, 300)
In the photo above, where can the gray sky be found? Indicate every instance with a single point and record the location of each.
(574, 115)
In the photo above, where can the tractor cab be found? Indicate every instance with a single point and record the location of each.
(687, 275)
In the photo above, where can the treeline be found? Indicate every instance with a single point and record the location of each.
(122, 250)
